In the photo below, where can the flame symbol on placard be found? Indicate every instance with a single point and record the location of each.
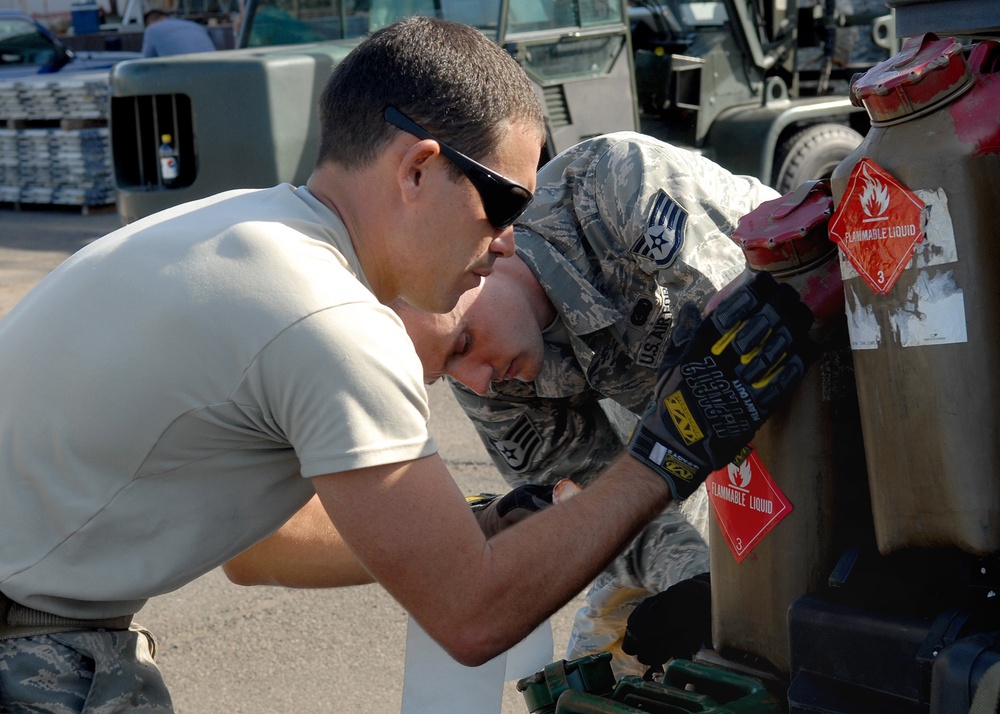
(742, 472)
(875, 195)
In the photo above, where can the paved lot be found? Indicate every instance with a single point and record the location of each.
(266, 650)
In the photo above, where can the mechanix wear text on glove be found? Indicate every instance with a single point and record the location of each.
(722, 377)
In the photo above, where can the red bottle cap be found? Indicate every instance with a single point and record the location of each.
(926, 73)
(788, 233)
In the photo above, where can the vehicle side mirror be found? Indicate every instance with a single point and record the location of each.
(61, 56)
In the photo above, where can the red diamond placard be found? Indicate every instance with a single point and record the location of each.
(877, 225)
(747, 504)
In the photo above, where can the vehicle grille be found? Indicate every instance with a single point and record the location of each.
(556, 107)
(137, 122)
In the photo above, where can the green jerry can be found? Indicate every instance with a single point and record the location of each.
(586, 686)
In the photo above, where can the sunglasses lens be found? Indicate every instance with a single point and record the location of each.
(504, 203)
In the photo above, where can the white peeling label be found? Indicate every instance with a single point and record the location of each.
(934, 313)
(939, 246)
(861, 323)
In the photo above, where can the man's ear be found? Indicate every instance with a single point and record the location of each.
(412, 168)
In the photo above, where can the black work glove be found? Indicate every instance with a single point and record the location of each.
(721, 378)
(673, 624)
(495, 512)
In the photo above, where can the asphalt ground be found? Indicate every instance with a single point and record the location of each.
(225, 648)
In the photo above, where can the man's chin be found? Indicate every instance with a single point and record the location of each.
(439, 304)
(445, 302)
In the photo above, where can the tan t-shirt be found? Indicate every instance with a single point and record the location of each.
(168, 387)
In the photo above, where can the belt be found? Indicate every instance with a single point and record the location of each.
(16, 620)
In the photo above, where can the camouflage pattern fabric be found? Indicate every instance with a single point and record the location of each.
(92, 671)
(622, 229)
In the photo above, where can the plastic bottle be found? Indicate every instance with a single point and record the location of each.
(169, 165)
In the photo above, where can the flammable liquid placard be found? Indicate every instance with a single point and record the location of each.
(747, 504)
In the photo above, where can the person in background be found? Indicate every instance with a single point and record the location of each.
(165, 35)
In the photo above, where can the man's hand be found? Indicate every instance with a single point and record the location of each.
(721, 379)
(495, 512)
(673, 624)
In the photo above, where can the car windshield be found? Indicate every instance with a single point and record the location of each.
(21, 43)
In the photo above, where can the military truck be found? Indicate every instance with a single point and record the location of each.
(761, 88)
(247, 117)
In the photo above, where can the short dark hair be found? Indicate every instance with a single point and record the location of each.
(153, 16)
(446, 76)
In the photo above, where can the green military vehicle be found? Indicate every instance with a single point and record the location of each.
(752, 85)
(247, 117)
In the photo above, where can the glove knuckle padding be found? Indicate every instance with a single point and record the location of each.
(766, 356)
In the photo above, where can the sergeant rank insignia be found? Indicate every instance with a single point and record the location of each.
(664, 235)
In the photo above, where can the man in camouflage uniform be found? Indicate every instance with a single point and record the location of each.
(622, 230)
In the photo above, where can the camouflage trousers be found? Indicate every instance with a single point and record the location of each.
(92, 671)
(669, 550)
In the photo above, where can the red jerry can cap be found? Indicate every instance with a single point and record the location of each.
(788, 233)
(928, 71)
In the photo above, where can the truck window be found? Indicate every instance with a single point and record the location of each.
(290, 22)
(533, 15)
(702, 14)
(584, 57)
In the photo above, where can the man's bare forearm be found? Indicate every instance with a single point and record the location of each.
(478, 598)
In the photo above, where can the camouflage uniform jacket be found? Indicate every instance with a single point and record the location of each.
(622, 229)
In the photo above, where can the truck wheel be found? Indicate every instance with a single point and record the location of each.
(812, 153)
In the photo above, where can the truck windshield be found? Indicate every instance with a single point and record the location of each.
(287, 22)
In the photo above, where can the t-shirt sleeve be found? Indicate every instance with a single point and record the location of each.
(345, 388)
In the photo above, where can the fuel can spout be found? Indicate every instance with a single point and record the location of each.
(788, 238)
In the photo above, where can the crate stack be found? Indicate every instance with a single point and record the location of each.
(54, 142)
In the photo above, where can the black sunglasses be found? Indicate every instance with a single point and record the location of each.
(503, 200)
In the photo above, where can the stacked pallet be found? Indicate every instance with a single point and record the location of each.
(54, 141)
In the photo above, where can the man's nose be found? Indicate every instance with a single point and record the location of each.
(503, 244)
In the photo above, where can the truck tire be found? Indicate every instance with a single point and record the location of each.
(812, 153)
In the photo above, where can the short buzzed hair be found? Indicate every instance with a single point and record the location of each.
(448, 77)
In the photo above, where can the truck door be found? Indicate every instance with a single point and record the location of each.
(579, 55)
